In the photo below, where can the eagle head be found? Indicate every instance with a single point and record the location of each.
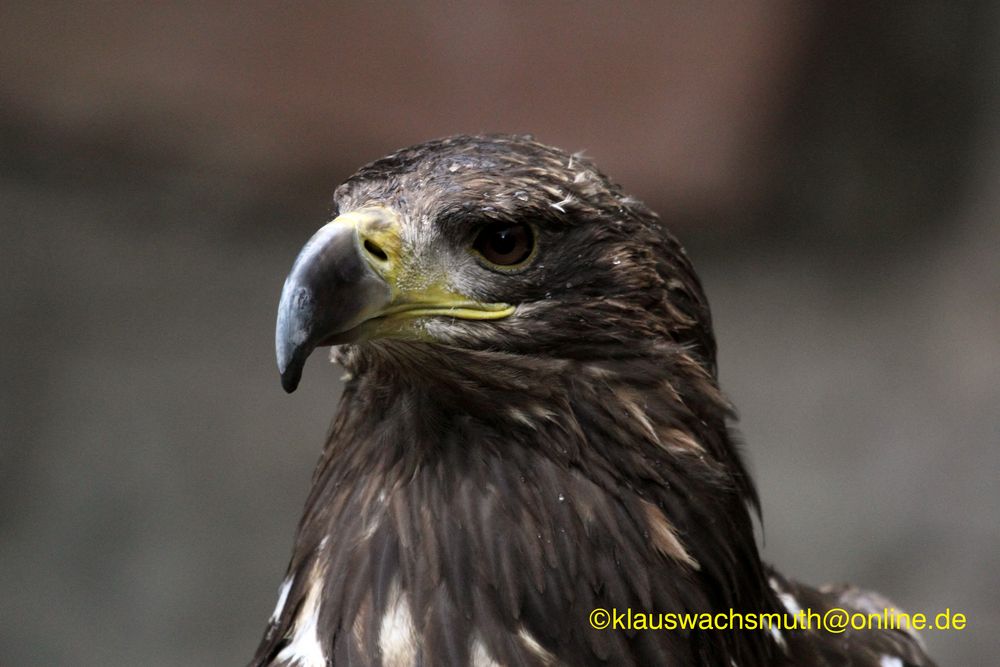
(532, 429)
(491, 243)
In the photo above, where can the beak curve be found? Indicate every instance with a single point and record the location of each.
(331, 289)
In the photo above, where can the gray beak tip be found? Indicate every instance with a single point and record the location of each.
(291, 353)
(290, 377)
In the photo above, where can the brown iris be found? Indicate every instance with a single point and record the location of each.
(505, 244)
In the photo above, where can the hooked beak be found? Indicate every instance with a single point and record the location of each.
(343, 288)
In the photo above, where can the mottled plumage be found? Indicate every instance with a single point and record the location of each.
(492, 477)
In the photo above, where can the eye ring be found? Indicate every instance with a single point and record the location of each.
(505, 246)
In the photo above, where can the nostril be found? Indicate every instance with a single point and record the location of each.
(374, 250)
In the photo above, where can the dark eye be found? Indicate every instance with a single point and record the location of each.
(505, 244)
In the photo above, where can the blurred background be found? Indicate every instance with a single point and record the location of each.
(833, 168)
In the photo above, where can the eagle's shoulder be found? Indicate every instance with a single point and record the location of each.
(883, 643)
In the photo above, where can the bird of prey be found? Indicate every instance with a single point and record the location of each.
(530, 429)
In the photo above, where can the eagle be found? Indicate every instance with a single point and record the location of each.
(531, 429)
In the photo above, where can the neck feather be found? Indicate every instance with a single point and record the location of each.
(510, 495)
